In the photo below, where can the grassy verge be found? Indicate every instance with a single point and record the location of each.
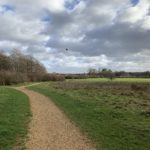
(24, 84)
(116, 116)
(14, 118)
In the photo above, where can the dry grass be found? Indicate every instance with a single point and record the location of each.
(115, 115)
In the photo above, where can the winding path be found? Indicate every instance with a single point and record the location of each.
(50, 129)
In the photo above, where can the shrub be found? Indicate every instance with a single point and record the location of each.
(8, 78)
(53, 77)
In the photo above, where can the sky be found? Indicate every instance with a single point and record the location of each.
(112, 34)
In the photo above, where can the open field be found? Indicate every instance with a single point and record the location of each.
(138, 80)
(116, 116)
(24, 84)
(14, 118)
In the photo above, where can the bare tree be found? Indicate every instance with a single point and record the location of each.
(19, 68)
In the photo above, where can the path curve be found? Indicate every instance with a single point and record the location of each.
(50, 129)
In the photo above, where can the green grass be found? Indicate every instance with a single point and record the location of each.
(14, 118)
(116, 116)
(144, 80)
(24, 84)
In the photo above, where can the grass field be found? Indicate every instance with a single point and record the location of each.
(116, 116)
(138, 80)
(14, 118)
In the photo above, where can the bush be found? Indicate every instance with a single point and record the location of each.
(8, 78)
(5, 78)
(76, 76)
(54, 77)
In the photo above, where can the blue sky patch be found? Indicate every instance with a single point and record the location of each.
(7, 7)
(46, 18)
(71, 4)
(135, 2)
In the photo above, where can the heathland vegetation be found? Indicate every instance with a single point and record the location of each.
(115, 115)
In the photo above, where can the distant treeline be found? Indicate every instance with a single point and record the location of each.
(18, 67)
(107, 73)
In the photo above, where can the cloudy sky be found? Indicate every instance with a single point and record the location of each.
(112, 34)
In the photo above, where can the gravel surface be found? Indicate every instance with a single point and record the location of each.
(50, 129)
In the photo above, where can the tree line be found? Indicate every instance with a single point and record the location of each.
(108, 73)
(18, 67)
(117, 74)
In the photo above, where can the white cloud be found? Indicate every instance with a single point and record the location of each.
(64, 62)
(96, 32)
(133, 14)
(15, 28)
(146, 23)
(37, 5)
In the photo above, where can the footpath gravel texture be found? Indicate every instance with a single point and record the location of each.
(50, 129)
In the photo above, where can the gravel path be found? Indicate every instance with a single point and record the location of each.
(50, 129)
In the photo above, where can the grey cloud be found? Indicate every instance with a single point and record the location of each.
(121, 38)
(93, 31)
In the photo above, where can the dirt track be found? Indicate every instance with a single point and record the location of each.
(50, 129)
